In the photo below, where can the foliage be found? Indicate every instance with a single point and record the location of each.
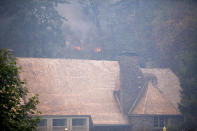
(188, 105)
(31, 27)
(175, 31)
(16, 114)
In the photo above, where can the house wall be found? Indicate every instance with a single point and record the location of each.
(146, 123)
(174, 120)
(141, 123)
(112, 128)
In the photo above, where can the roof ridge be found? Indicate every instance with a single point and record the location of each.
(138, 98)
(145, 103)
(74, 59)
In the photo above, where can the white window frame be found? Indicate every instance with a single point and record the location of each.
(68, 125)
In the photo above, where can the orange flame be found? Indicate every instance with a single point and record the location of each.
(98, 49)
(77, 48)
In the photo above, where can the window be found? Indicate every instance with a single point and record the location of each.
(155, 121)
(78, 122)
(59, 122)
(43, 122)
(160, 121)
(42, 125)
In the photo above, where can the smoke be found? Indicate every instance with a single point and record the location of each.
(78, 25)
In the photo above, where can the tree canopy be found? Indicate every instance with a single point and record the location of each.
(31, 27)
(16, 113)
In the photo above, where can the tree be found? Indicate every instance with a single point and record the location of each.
(175, 31)
(188, 78)
(32, 28)
(15, 113)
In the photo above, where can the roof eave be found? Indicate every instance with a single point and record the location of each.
(154, 115)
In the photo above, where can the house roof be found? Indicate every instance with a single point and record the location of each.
(167, 83)
(153, 102)
(85, 87)
(74, 87)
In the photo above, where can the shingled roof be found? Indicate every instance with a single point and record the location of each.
(167, 82)
(85, 87)
(74, 87)
(161, 97)
(153, 102)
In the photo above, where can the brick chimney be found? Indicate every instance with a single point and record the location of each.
(131, 80)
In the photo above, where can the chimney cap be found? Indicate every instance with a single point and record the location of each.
(128, 53)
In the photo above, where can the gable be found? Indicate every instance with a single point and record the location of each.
(167, 82)
(153, 102)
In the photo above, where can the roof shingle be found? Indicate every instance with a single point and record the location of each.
(74, 87)
(85, 87)
(153, 102)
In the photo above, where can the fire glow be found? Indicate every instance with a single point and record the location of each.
(98, 49)
(77, 48)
